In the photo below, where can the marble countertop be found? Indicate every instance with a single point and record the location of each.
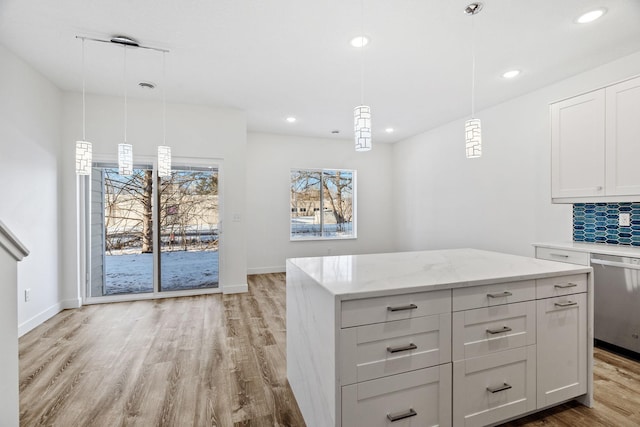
(594, 248)
(362, 276)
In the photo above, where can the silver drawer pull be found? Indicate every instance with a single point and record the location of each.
(500, 295)
(565, 304)
(568, 285)
(411, 346)
(560, 255)
(403, 307)
(497, 331)
(503, 387)
(402, 415)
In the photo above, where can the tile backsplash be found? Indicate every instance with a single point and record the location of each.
(598, 222)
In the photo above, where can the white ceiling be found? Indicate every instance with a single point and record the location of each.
(275, 58)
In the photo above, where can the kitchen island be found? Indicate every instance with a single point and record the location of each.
(459, 337)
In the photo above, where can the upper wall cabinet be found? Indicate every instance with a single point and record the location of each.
(595, 145)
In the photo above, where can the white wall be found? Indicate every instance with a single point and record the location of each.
(270, 159)
(29, 149)
(193, 132)
(501, 201)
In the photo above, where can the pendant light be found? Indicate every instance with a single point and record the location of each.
(83, 148)
(362, 113)
(125, 150)
(164, 151)
(472, 127)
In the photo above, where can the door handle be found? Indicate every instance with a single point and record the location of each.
(498, 331)
(411, 346)
(503, 387)
(401, 415)
(403, 307)
(568, 285)
(500, 295)
(565, 304)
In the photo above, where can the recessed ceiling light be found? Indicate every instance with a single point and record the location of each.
(360, 41)
(291, 119)
(590, 16)
(389, 130)
(511, 74)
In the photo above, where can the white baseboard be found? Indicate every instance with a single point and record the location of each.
(266, 270)
(235, 289)
(47, 314)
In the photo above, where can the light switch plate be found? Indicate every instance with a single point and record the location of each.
(624, 220)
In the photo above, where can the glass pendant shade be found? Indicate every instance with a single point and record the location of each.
(125, 159)
(164, 161)
(473, 138)
(83, 157)
(362, 127)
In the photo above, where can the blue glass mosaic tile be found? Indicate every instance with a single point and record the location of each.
(598, 222)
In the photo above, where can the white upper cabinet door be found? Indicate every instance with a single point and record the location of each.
(578, 146)
(623, 138)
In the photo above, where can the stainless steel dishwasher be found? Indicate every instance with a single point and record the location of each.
(617, 300)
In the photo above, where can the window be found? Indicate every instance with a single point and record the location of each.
(323, 204)
(151, 234)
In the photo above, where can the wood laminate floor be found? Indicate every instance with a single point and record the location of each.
(214, 361)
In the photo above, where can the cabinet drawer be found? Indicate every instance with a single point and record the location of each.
(487, 330)
(382, 349)
(495, 294)
(423, 396)
(561, 285)
(492, 388)
(563, 255)
(395, 307)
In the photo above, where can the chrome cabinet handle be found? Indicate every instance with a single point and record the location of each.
(497, 331)
(411, 346)
(568, 285)
(403, 307)
(560, 255)
(565, 304)
(503, 387)
(401, 415)
(500, 295)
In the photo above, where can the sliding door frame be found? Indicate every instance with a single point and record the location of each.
(84, 231)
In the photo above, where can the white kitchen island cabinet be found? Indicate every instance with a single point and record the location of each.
(449, 338)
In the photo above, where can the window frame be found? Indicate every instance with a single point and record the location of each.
(294, 209)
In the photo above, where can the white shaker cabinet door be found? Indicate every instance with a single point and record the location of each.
(419, 398)
(623, 139)
(562, 348)
(578, 146)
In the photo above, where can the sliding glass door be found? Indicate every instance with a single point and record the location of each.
(189, 229)
(151, 235)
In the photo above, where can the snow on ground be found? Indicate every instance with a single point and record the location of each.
(133, 273)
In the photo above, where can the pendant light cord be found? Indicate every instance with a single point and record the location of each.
(84, 138)
(164, 100)
(362, 53)
(124, 80)
(473, 69)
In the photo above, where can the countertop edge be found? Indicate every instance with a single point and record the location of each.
(592, 248)
(455, 285)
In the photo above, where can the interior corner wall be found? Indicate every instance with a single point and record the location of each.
(502, 200)
(29, 190)
(192, 131)
(270, 159)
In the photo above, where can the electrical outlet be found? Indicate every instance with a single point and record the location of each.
(624, 220)
(27, 295)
